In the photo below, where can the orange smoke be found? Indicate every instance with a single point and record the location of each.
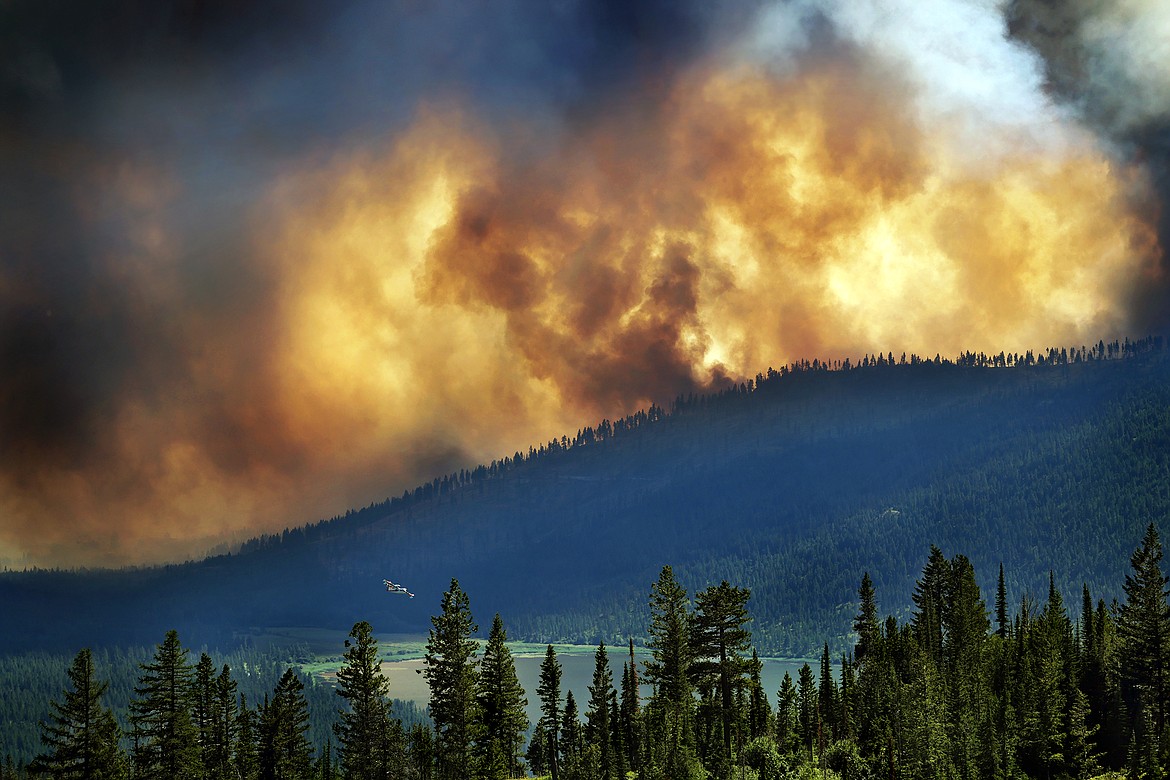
(470, 290)
(747, 221)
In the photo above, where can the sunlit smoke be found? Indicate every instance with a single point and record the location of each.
(844, 179)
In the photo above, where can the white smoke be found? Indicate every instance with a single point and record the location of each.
(954, 55)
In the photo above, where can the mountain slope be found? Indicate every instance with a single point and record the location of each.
(789, 486)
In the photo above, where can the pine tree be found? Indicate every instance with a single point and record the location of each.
(828, 704)
(786, 715)
(1143, 627)
(759, 713)
(965, 626)
(719, 639)
(549, 691)
(363, 722)
(631, 713)
(671, 705)
(597, 720)
(807, 721)
(422, 752)
(866, 623)
(81, 736)
(571, 740)
(537, 753)
(247, 758)
(501, 702)
(202, 697)
(1082, 757)
(166, 742)
(930, 595)
(450, 673)
(285, 725)
(223, 734)
(1001, 619)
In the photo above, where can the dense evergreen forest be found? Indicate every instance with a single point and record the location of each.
(959, 689)
(786, 484)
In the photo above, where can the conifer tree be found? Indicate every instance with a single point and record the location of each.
(1001, 619)
(759, 712)
(247, 758)
(631, 713)
(827, 695)
(223, 732)
(965, 627)
(501, 702)
(617, 737)
(930, 595)
(671, 705)
(284, 724)
(364, 720)
(597, 716)
(537, 751)
(422, 752)
(202, 697)
(1083, 760)
(450, 672)
(1143, 627)
(166, 741)
(572, 741)
(786, 715)
(720, 638)
(549, 692)
(81, 736)
(866, 623)
(846, 703)
(807, 721)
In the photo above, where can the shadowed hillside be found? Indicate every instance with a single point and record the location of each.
(788, 485)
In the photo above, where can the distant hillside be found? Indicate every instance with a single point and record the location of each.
(789, 484)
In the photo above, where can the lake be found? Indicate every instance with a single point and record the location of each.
(407, 682)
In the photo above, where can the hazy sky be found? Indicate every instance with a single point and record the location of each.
(262, 261)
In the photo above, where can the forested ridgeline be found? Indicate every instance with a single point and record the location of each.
(786, 484)
(957, 690)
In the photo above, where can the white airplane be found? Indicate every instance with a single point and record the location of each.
(395, 588)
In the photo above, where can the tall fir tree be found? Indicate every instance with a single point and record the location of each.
(671, 704)
(81, 736)
(284, 726)
(1001, 616)
(363, 722)
(246, 760)
(787, 710)
(165, 739)
(865, 624)
(930, 597)
(572, 741)
(202, 699)
(450, 671)
(759, 712)
(807, 720)
(549, 692)
(720, 639)
(631, 712)
(965, 628)
(224, 729)
(501, 702)
(1143, 628)
(597, 715)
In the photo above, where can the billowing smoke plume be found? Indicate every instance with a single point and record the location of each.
(1110, 62)
(261, 262)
